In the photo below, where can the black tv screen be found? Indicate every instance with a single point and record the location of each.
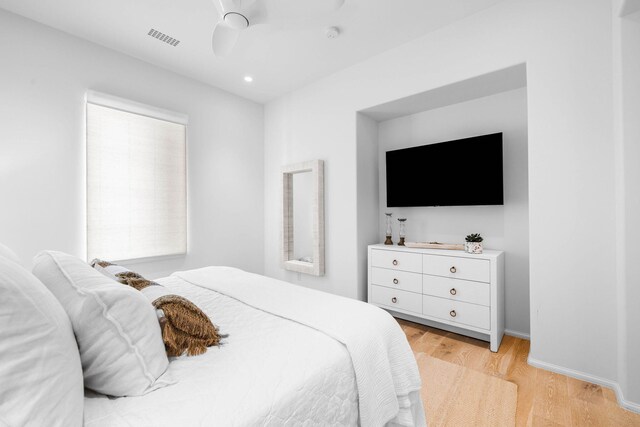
(464, 172)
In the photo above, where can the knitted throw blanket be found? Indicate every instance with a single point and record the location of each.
(185, 328)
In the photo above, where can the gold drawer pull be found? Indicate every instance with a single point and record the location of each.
(452, 313)
(453, 269)
(395, 281)
(395, 262)
(453, 291)
(394, 300)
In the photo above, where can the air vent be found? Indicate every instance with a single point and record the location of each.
(163, 37)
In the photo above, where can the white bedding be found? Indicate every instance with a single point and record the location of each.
(270, 371)
(386, 371)
(294, 356)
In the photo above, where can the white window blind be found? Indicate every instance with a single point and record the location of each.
(136, 180)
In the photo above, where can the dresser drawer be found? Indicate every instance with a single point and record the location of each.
(396, 279)
(457, 290)
(405, 261)
(457, 312)
(394, 298)
(457, 268)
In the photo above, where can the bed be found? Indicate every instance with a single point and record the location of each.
(293, 356)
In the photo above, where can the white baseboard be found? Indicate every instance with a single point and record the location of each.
(631, 406)
(517, 334)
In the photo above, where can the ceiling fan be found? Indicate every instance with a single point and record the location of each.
(238, 15)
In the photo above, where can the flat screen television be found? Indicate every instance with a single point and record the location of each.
(463, 172)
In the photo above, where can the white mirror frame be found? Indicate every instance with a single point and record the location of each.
(316, 268)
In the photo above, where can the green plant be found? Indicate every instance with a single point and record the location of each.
(475, 237)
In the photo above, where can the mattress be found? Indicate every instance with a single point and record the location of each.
(269, 371)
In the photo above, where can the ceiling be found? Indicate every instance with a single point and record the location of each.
(280, 57)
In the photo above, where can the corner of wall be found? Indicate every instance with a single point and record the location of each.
(367, 194)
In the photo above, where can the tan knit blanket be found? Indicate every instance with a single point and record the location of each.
(185, 328)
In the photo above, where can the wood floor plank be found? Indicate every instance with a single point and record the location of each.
(471, 353)
(543, 422)
(621, 417)
(429, 341)
(498, 363)
(609, 394)
(583, 390)
(551, 399)
(412, 330)
(584, 413)
(451, 349)
(524, 376)
(544, 398)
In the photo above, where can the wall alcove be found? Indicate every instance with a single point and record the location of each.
(493, 102)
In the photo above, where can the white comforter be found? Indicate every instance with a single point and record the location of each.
(270, 371)
(385, 368)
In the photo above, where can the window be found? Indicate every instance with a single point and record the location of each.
(136, 180)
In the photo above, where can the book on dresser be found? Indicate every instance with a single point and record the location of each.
(447, 289)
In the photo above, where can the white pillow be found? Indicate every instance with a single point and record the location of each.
(116, 328)
(40, 371)
(9, 254)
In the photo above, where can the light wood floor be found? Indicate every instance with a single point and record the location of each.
(544, 398)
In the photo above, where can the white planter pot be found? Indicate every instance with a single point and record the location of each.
(473, 247)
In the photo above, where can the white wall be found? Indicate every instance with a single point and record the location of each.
(631, 103)
(505, 227)
(627, 69)
(295, 135)
(43, 79)
(368, 190)
(567, 47)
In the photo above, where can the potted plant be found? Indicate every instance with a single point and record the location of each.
(473, 243)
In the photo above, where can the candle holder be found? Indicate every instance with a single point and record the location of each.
(403, 231)
(388, 240)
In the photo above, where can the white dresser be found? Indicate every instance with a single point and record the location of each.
(465, 291)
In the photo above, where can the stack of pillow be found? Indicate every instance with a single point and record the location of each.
(66, 327)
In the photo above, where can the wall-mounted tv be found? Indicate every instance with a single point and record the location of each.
(463, 172)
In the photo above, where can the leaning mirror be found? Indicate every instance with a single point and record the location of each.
(303, 217)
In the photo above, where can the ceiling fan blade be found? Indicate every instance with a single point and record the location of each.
(224, 6)
(224, 39)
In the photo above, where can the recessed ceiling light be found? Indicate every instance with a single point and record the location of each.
(248, 79)
(332, 32)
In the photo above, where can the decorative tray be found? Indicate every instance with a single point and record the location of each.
(435, 245)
